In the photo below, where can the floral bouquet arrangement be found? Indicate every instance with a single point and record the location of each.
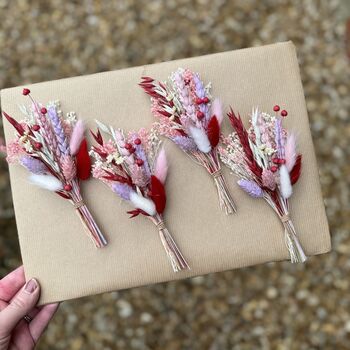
(53, 149)
(187, 115)
(134, 166)
(265, 159)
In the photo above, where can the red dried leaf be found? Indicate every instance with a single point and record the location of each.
(181, 132)
(158, 194)
(97, 137)
(275, 197)
(63, 195)
(148, 85)
(213, 131)
(136, 212)
(296, 171)
(14, 123)
(99, 152)
(133, 213)
(242, 134)
(166, 114)
(114, 177)
(147, 79)
(83, 161)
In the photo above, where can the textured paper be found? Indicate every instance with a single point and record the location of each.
(54, 246)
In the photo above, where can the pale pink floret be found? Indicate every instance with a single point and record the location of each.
(216, 109)
(269, 179)
(14, 152)
(290, 153)
(76, 137)
(98, 172)
(161, 166)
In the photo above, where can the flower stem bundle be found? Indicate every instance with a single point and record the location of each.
(265, 159)
(135, 167)
(54, 151)
(187, 114)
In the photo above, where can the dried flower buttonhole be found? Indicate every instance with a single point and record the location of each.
(188, 116)
(135, 167)
(54, 150)
(265, 159)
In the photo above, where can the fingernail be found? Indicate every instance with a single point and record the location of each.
(30, 286)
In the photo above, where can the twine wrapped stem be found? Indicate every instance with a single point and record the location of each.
(211, 162)
(177, 260)
(296, 252)
(294, 247)
(86, 218)
(226, 202)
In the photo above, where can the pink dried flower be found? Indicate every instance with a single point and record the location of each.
(138, 176)
(2, 146)
(67, 127)
(98, 172)
(268, 179)
(109, 147)
(14, 152)
(68, 168)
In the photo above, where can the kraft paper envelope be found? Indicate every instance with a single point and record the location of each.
(55, 248)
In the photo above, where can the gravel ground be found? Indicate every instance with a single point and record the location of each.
(274, 306)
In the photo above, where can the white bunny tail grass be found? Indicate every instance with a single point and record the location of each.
(286, 186)
(48, 182)
(143, 203)
(201, 139)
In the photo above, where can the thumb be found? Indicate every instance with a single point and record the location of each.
(24, 301)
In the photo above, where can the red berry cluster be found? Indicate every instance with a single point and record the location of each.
(199, 101)
(67, 187)
(276, 108)
(278, 161)
(132, 150)
(204, 100)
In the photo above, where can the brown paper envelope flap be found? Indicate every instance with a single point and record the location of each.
(54, 246)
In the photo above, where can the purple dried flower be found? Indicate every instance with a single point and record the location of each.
(279, 137)
(185, 143)
(122, 190)
(251, 188)
(59, 130)
(140, 154)
(33, 165)
(200, 91)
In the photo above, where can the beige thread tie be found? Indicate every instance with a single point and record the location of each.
(79, 204)
(285, 218)
(161, 225)
(216, 174)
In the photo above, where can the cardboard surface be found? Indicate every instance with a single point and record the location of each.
(54, 246)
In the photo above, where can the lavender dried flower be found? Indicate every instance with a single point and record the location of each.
(251, 188)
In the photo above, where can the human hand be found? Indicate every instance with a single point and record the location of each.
(21, 322)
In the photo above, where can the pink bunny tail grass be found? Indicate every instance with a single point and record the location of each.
(161, 166)
(216, 109)
(290, 153)
(86, 218)
(76, 137)
(177, 260)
